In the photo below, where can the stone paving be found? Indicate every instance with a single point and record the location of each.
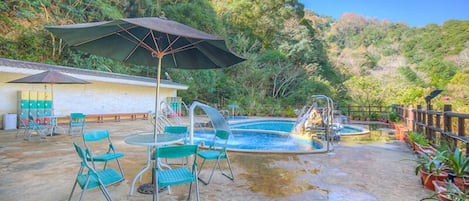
(45, 169)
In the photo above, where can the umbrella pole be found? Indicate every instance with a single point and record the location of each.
(158, 78)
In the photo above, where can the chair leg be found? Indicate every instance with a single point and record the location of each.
(18, 131)
(105, 192)
(206, 182)
(73, 189)
(231, 176)
(156, 195)
(197, 185)
(217, 164)
(85, 187)
(196, 189)
(200, 170)
(120, 168)
(190, 190)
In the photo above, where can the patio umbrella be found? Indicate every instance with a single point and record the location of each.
(233, 107)
(50, 77)
(149, 41)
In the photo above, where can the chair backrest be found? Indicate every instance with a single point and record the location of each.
(24, 121)
(82, 154)
(98, 135)
(180, 151)
(33, 123)
(175, 129)
(77, 118)
(95, 135)
(220, 134)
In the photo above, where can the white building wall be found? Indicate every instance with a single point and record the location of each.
(95, 98)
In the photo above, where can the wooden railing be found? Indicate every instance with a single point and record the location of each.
(366, 111)
(439, 126)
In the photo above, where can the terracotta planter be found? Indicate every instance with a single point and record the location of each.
(461, 183)
(427, 179)
(428, 150)
(446, 196)
(442, 188)
(414, 146)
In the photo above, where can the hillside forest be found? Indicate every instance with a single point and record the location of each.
(291, 53)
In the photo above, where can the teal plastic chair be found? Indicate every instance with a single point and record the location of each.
(88, 177)
(177, 130)
(217, 154)
(95, 138)
(30, 125)
(77, 120)
(179, 175)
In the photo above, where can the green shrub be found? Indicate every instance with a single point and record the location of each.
(419, 138)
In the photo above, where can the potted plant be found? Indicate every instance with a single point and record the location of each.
(374, 116)
(418, 142)
(431, 167)
(447, 191)
(458, 165)
(394, 117)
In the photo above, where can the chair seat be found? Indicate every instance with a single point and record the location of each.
(210, 155)
(76, 124)
(175, 177)
(108, 176)
(107, 157)
(38, 126)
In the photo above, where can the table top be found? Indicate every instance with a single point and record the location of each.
(148, 140)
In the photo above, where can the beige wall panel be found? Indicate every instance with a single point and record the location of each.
(94, 98)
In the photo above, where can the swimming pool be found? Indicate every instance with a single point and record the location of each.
(267, 135)
(260, 141)
(250, 135)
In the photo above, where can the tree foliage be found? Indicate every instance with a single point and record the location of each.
(291, 53)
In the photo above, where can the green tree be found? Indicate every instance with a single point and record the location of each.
(439, 71)
(411, 76)
(365, 90)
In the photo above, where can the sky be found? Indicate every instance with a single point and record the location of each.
(416, 13)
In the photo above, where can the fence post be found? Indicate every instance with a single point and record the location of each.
(348, 111)
(369, 111)
(419, 118)
(429, 123)
(447, 125)
(446, 119)
(410, 117)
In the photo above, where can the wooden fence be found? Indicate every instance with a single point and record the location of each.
(366, 111)
(439, 126)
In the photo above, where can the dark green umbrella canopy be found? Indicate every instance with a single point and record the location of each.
(141, 40)
(147, 41)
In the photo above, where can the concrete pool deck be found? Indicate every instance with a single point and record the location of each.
(45, 169)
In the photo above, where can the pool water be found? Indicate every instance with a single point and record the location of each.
(266, 135)
(259, 141)
(271, 125)
(285, 126)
